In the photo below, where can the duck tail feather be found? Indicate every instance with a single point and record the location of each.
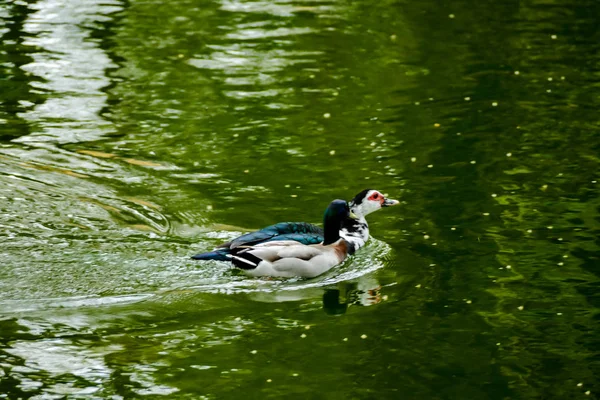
(245, 260)
(217, 255)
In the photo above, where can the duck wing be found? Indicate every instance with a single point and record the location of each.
(297, 232)
(274, 254)
(276, 250)
(300, 232)
(249, 257)
(289, 258)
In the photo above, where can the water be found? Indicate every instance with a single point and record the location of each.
(135, 134)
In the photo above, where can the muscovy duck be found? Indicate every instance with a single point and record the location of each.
(355, 231)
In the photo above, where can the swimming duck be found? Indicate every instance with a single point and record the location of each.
(355, 231)
(289, 258)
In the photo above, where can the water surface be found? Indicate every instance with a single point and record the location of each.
(135, 134)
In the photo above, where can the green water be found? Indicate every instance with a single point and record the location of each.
(134, 134)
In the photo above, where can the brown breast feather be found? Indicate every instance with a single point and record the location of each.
(341, 249)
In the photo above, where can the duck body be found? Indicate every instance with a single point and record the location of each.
(354, 230)
(289, 258)
(298, 232)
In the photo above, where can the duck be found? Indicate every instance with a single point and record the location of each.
(289, 258)
(354, 230)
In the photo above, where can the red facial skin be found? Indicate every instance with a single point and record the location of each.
(377, 197)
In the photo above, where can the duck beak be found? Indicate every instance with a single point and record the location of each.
(389, 202)
(353, 216)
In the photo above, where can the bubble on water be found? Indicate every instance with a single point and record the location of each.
(451, 16)
(553, 37)
(326, 115)
(495, 104)
(517, 72)
(363, 336)
(520, 308)
(467, 98)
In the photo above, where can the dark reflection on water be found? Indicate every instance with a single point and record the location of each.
(137, 133)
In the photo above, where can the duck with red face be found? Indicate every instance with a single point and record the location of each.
(354, 230)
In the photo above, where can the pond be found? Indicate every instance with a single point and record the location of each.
(134, 134)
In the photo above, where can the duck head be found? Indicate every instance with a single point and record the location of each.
(335, 215)
(368, 201)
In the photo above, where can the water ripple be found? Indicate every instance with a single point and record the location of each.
(72, 68)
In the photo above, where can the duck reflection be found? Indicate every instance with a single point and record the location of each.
(364, 292)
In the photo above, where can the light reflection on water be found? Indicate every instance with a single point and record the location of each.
(72, 68)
